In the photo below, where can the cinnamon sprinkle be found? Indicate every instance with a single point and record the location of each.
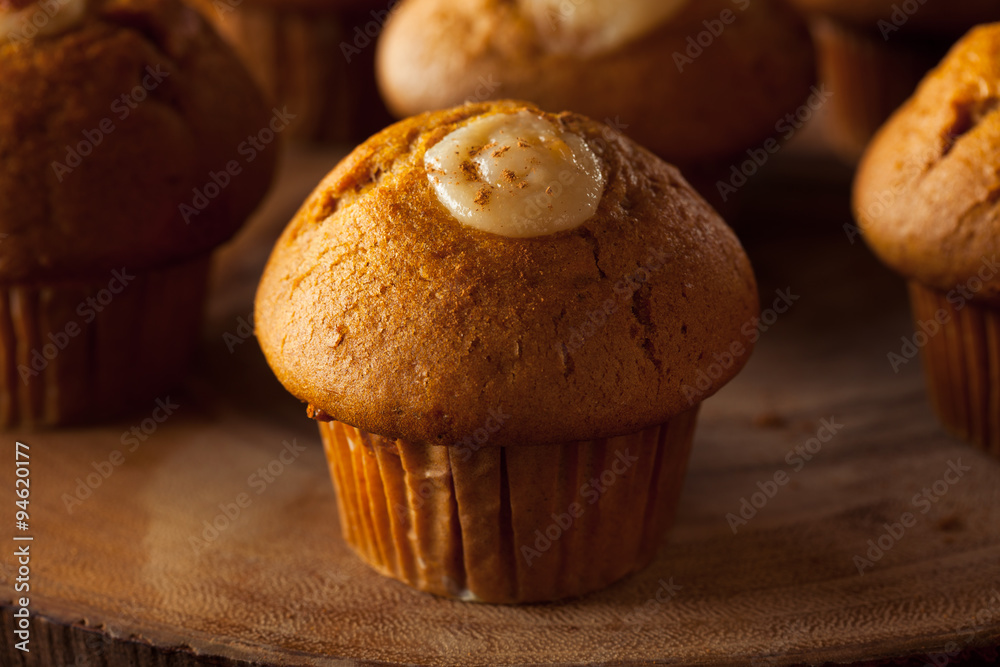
(469, 170)
(483, 196)
(473, 152)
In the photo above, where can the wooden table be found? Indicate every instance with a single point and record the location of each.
(134, 575)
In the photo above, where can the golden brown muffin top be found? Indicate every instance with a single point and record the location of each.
(108, 128)
(383, 311)
(690, 103)
(932, 17)
(927, 193)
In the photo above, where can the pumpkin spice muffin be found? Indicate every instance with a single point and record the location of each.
(696, 82)
(112, 195)
(498, 316)
(873, 53)
(926, 199)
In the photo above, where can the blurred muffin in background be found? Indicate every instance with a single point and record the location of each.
(133, 142)
(926, 199)
(696, 82)
(872, 54)
(314, 57)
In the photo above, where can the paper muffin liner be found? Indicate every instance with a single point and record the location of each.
(870, 77)
(962, 364)
(313, 64)
(508, 524)
(81, 351)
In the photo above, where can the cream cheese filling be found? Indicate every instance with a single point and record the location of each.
(516, 175)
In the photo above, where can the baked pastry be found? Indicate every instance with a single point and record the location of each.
(926, 199)
(696, 82)
(314, 57)
(875, 52)
(505, 321)
(112, 195)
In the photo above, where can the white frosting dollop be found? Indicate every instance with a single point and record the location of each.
(40, 19)
(595, 26)
(516, 175)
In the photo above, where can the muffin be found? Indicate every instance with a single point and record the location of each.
(926, 199)
(696, 82)
(315, 57)
(873, 53)
(505, 321)
(112, 195)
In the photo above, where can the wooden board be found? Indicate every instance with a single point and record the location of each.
(133, 576)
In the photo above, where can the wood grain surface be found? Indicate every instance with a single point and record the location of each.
(131, 575)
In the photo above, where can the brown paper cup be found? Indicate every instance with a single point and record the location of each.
(82, 351)
(962, 365)
(314, 64)
(508, 524)
(869, 76)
